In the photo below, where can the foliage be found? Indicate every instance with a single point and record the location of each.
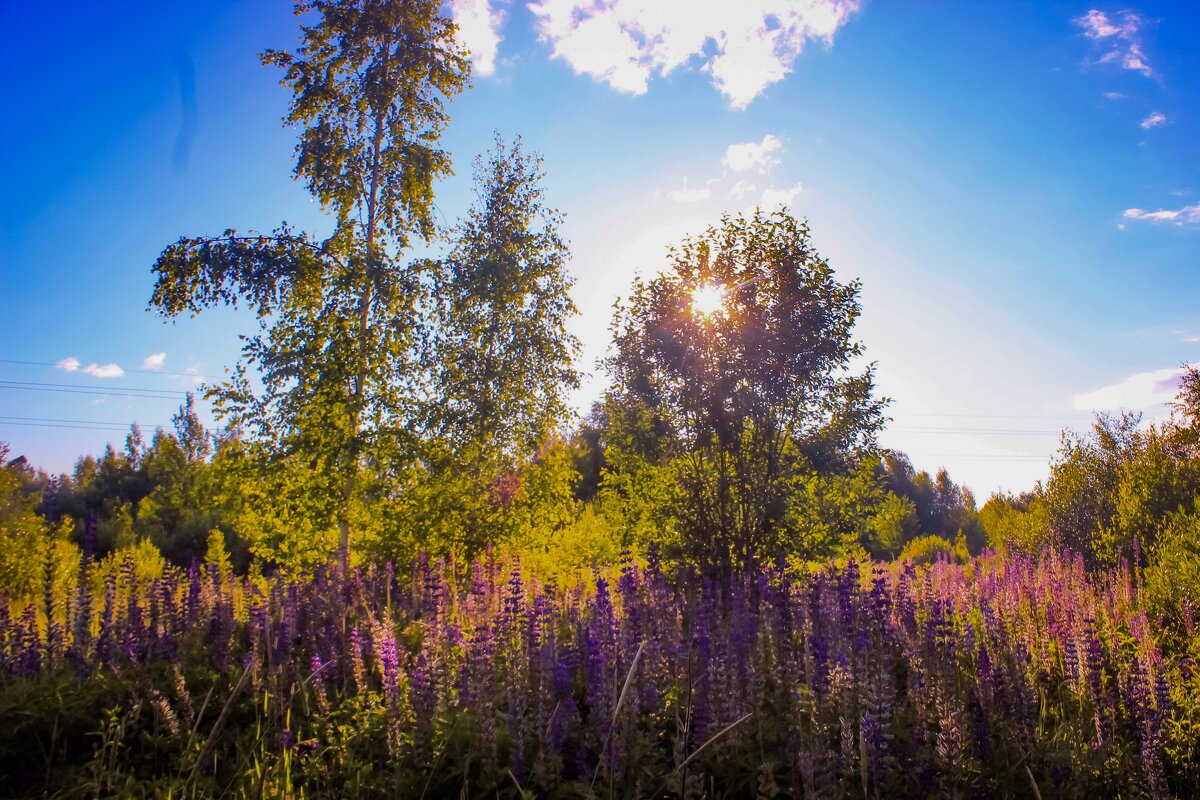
(943, 508)
(1009, 676)
(1173, 576)
(451, 511)
(338, 348)
(743, 401)
(173, 492)
(930, 550)
(501, 362)
(894, 524)
(1018, 523)
(1084, 477)
(504, 359)
(1110, 492)
(22, 531)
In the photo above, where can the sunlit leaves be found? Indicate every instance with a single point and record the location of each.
(331, 380)
(738, 363)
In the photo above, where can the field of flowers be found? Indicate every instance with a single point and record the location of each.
(1005, 677)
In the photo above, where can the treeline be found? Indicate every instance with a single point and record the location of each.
(1119, 491)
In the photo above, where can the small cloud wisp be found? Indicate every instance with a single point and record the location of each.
(1120, 37)
(1155, 120)
(760, 157)
(1188, 215)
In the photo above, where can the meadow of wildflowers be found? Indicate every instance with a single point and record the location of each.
(1004, 677)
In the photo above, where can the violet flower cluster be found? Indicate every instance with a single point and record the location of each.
(1007, 676)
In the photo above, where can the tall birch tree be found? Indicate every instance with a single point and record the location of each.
(329, 381)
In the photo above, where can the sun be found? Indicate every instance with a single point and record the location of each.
(708, 299)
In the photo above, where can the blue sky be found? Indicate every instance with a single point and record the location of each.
(1017, 185)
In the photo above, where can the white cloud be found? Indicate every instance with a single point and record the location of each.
(1096, 25)
(1139, 392)
(103, 371)
(154, 361)
(753, 156)
(1120, 37)
(773, 198)
(1180, 216)
(193, 377)
(478, 31)
(1155, 120)
(1113, 96)
(742, 189)
(72, 364)
(686, 195)
(625, 43)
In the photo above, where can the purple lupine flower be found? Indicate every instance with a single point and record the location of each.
(627, 589)
(514, 599)
(318, 679)
(357, 667)
(54, 630)
(598, 675)
(699, 675)
(105, 640)
(29, 658)
(423, 693)
(81, 629)
(1071, 665)
(220, 636)
(847, 586)
(874, 744)
(389, 666)
(194, 594)
(981, 728)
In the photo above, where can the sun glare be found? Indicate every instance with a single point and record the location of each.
(708, 299)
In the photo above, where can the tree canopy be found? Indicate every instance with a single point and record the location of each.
(735, 366)
(337, 354)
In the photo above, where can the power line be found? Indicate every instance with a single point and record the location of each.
(75, 421)
(147, 394)
(63, 426)
(77, 386)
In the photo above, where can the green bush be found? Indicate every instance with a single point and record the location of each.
(929, 549)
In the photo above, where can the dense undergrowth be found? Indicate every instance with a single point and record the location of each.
(1007, 676)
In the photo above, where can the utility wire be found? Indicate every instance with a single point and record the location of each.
(65, 389)
(77, 386)
(63, 426)
(74, 421)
